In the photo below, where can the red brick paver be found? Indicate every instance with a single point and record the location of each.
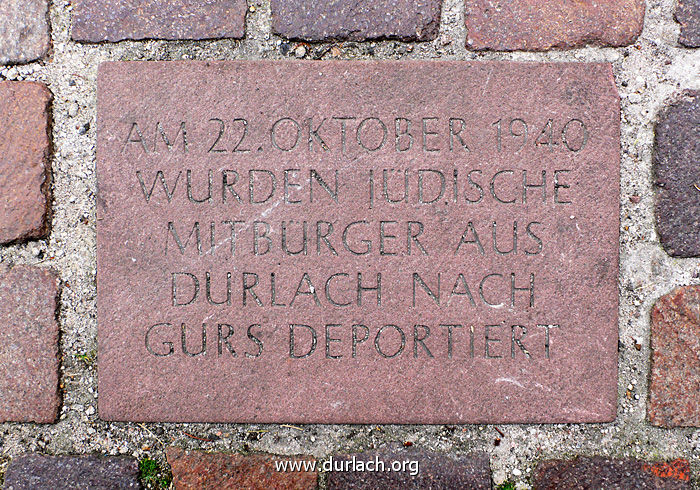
(42, 472)
(538, 25)
(598, 472)
(194, 470)
(321, 20)
(24, 160)
(415, 468)
(28, 345)
(674, 389)
(116, 20)
(677, 176)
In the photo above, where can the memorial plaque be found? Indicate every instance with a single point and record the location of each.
(357, 242)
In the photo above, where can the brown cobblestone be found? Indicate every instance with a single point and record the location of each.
(198, 469)
(41, 472)
(677, 176)
(24, 30)
(674, 389)
(28, 346)
(598, 472)
(407, 20)
(117, 20)
(539, 25)
(24, 154)
(435, 471)
(688, 15)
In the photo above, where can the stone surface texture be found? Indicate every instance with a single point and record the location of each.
(28, 345)
(435, 470)
(149, 271)
(688, 15)
(193, 470)
(677, 176)
(599, 472)
(674, 391)
(324, 20)
(42, 472)
(649, 75)
(24, 160)
(538, 25)
(117, 20)
(24, 30)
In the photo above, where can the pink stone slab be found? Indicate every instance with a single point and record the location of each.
(549, 355)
